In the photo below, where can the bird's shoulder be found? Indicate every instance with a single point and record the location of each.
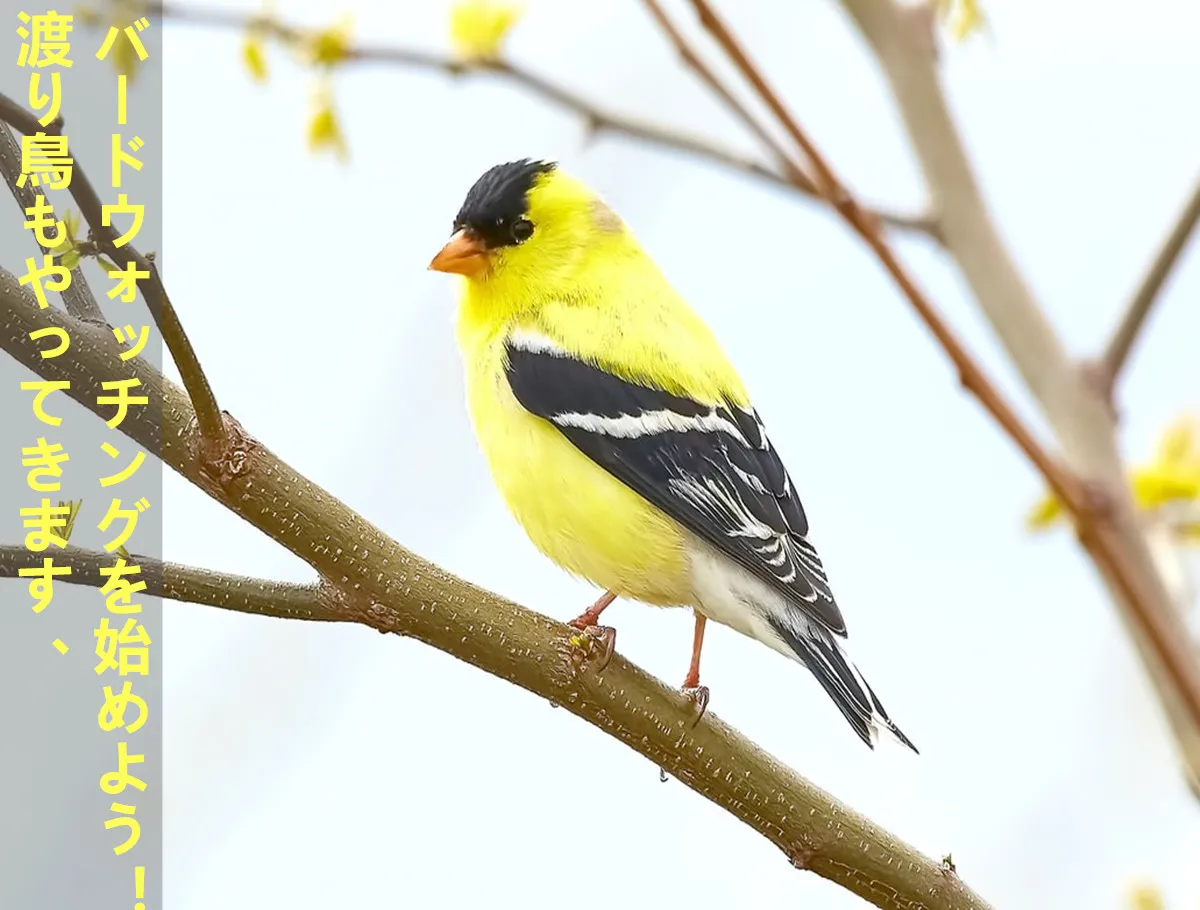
(643, 332)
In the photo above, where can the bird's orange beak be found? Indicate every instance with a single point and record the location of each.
(462, 255)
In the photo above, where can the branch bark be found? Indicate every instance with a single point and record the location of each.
(77, 296)
(239, 593)
(378, 583)
(1134, 318)
(1076, 409)
(155, 294)
(598, 119)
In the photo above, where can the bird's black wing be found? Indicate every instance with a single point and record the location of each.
(712, 469)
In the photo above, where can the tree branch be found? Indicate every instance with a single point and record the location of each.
(77, 296)
(1134, 318)
(380, 584)
(240, 593)
(598, 120)
(207, 413)
(794, 172)
(1078, 413)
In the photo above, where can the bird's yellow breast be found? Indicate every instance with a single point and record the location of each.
(574, 511)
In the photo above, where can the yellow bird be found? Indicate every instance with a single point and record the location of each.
(623, 440)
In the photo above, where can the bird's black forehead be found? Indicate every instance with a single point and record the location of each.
(499, 196)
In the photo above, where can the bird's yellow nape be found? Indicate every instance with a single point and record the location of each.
(560, 204)
(462, 255)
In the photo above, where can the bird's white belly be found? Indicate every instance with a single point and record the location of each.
(727, 593)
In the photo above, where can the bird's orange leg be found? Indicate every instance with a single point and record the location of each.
(588, 621)
(591, 616)
(691, 685)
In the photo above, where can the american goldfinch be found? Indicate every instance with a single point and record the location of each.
(621, 437)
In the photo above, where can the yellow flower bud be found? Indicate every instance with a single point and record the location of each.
(478, 28)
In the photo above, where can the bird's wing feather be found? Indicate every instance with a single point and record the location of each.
(711, 468)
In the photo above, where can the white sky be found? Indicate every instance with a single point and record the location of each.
(314, 766)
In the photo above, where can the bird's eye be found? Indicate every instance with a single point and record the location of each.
(522, 230)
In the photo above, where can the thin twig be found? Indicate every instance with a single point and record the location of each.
(240, 593)
(380, 584)
(597, 119)
(77, 296)
(1134, 318)
(786, 162)
(1093, 520)
(207, 412)
(837, 194)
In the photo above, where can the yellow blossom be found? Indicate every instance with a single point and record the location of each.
(74, 506)
(1145, 896)
(86, 15)
(1180, 443)
(326, 47)
(478, 28)
(68, 252)
(1187, 532)
(963, 17)
(254, 54)
(324, 128)
(259, 29)
(1172, 477)
(123, 54)
(125, 60)
(1045, 512)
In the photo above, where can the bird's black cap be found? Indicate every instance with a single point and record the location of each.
(498, 201)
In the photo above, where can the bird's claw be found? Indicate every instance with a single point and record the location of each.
(605, 636)
(698, 696)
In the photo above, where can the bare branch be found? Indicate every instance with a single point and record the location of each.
(832, 188)
(597, 119)
(92, 209)
(787, 163)
(1134, 318)
(240, 593)
(77, 296)
(382, 585)
(1114, 536)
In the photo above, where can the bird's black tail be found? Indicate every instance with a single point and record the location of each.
(818, 650)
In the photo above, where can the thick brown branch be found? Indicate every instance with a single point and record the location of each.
(77, 296)
(598, 119)
(1134, 318)
(240, 593)
(207, 413)
(381, 584)
(1078, 412)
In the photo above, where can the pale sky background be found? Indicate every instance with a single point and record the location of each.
(314, 766)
